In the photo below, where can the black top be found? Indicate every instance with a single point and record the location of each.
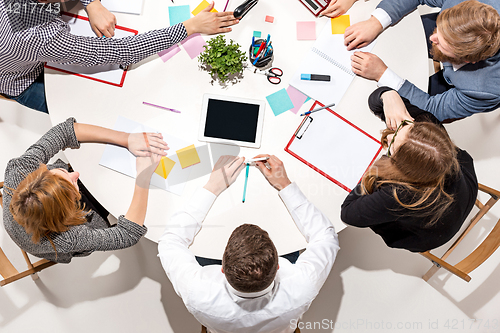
(398, 226)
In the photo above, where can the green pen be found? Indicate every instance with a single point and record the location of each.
(246, 182)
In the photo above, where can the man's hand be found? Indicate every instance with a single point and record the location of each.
(337, 8)
(367, 65)
(362, 33)
(225, 172)
(394, 109)
(275, 173)
(210, 23)
(146, 144)
(101, 20)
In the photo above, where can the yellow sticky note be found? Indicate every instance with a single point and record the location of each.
(164, 167)
(188, 156)
(204, 4)
(339, 24)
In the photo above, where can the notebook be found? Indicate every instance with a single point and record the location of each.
(110, 74)
(328, 56)
(334, 147)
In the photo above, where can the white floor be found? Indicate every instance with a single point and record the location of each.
(371, 288)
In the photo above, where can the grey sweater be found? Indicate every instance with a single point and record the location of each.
(475, 85)
(78, 241)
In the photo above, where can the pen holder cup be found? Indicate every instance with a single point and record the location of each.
(263, 61)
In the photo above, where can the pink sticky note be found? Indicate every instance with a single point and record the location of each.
(297, 98)
(306, 30)
(169, 53)
(194, 45)
(269, 19)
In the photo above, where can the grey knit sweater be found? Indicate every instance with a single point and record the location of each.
(78, 241)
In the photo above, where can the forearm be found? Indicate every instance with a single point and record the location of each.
(137, 210)
(86, 133)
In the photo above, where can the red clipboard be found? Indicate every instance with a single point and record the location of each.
(117, 84)
(375, 146)
(315, 6)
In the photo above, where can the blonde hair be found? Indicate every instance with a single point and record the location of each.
(44, 203)
(472, 29)
(418, 167)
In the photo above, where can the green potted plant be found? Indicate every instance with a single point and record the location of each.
(224, 62)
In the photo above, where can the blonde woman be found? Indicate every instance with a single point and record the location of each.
(49, 213)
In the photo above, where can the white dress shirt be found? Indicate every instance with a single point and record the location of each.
(222, 309)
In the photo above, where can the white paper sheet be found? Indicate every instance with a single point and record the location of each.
(123, 6)
(336, 148)
(332, 46)
(108, 73)
(121, 160)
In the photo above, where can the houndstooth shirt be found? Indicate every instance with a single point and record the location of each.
(80, 240)
(30, 36)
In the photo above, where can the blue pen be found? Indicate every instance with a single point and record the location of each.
(318, 109)
(246, 182)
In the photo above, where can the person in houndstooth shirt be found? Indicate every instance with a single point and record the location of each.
(28, 38)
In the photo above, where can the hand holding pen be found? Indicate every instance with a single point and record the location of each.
(274, 171)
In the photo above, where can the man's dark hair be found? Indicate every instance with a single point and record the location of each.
(250, 260)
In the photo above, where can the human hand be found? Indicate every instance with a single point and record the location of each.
(101, 20)
(225, 172)
(394, 109)
(362, 33)
(275, 173)
(210, 23)
(337, 8)
(144, 144)
(367, 65)
(145, 167)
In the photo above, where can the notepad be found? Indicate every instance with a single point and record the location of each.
(169, 53)
(280, 102)
(178, 14)
(188, 156)
(172, 179)
(204, 4)
(334, 147)
(123, 6)
(328, 56)
(164, 167)
(340, 23)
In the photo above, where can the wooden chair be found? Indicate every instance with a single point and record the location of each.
(10, 273)
(204, 329)
(480, 254)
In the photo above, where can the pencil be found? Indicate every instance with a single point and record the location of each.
(161, 107)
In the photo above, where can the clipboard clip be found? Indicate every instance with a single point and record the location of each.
(301, 130)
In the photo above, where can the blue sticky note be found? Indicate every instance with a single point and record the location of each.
(256, 33)
(178, 14)
(308, 98)
(280, 102)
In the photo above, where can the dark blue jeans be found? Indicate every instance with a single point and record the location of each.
(33, 96)
(292, 257)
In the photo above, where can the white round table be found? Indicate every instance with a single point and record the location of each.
(180, 84)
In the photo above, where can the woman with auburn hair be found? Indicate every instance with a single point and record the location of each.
(418, 195)
(49, 213)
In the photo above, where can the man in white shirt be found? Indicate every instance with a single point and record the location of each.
(254, 290)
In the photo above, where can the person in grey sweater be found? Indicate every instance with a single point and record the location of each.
(43, 210)
(467, 43)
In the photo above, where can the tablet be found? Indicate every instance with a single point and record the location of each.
(231, 120)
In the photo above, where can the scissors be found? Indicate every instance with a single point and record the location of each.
(273, 75)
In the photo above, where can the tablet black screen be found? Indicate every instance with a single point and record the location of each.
(231, 120)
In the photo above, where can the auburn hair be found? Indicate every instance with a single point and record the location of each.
(250, 260)
(44, 203)
(419, 168)
(472, 29)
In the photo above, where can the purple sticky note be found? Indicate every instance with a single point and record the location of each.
(306, 30)
(194, 45)
(169, 53)
(298, 98)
